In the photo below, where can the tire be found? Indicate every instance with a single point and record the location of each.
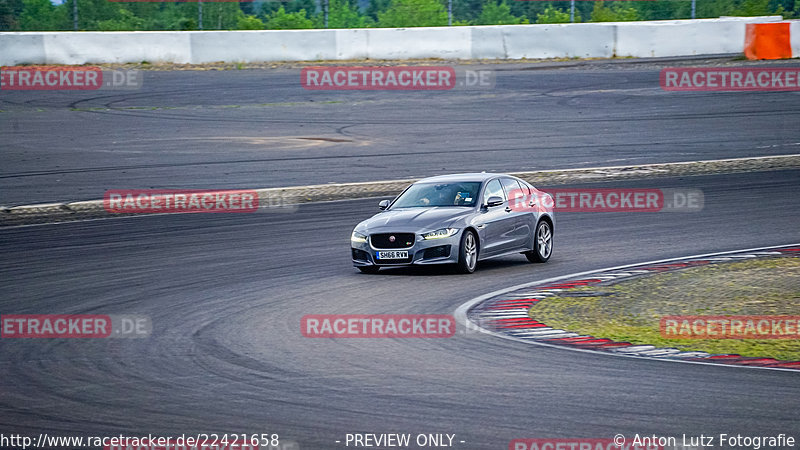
(369, 269)
(468, 252)
(542, 243)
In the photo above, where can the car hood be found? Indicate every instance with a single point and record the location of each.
(413, 220)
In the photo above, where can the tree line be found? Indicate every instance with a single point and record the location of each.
(105, 15)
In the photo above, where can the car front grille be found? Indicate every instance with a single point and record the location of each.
(383, 240)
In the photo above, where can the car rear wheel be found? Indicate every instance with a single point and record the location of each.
(369, 269)
(542, 243)
(468, 252)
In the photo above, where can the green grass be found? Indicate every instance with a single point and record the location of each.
(631, 310)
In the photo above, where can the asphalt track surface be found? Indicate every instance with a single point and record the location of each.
(226, 293)
(260, 128)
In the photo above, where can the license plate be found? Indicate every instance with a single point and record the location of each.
(394, 254)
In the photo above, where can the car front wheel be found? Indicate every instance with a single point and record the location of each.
(542, 243)
(468, 252)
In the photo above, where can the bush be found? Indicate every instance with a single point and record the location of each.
(494, 13)
(555, 15)
(281, 20)
(614, 13)
(413, 13)
(341, 14)
(125, 21)
(249, 23)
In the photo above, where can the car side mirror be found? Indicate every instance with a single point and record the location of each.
(383, 204)
(494, 201)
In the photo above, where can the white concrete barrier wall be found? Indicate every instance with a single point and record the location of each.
(257, 46)
(584, 40)
(406, 43)
(794, 36)
(684, 37)
(22, 48)
(117, 47)
(352, 44)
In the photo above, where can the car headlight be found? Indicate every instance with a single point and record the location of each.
(439, 234)
(358, 238)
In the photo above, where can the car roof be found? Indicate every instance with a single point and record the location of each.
(462, 177)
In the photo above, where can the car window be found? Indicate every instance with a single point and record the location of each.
(512, 188)
(493, 189)
(438, 194)
(527, 187)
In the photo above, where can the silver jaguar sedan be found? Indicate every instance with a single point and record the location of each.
(456, 219)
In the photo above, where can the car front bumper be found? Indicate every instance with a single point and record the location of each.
(423, 251)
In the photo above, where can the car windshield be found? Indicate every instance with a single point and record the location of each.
(439, 194)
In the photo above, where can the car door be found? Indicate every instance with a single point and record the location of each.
(517, 197)
(495, 224)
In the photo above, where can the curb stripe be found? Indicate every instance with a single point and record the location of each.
(476, 311)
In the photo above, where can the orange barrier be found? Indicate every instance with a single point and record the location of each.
(767, 41)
